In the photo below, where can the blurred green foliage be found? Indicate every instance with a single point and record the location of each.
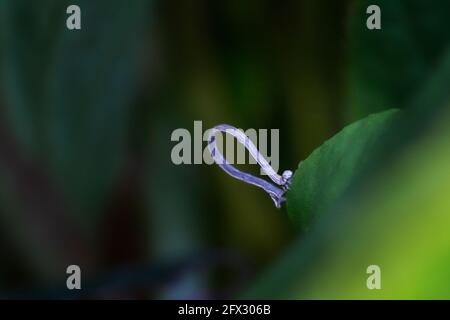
(86, 119)
(67, 91)
(400, 223)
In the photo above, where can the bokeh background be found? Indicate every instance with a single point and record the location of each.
(86, 118)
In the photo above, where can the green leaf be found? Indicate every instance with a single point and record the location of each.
(325, 175)
(69, 93)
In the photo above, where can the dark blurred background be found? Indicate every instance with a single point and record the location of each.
(86, 118)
